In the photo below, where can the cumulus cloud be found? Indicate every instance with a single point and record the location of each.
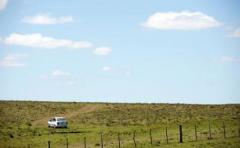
(37, 40)
(3, 4)
(13, 60)
(235, 33)
(102, 51)
(230, 59)
(184, 20)
(46, 19)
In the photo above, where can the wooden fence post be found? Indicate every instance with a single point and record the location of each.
(67, 142)
(101, 140)
(85, 142)
(196, 138)
(224, 131)
(49, 144)
(119, 141)
(150, 134)
(239, 131)
(209, 131)
(166, 132)
(180, 134)
(28, 145)
(134, 140)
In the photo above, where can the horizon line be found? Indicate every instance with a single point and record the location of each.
(113, 102)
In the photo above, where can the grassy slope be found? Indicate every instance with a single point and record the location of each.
(25, 122)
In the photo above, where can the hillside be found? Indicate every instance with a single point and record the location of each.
(29, 120)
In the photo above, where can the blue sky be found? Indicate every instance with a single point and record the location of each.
(120, 51)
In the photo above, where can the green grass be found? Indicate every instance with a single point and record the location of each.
(25, 122)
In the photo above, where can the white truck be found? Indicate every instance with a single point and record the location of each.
(56, 122)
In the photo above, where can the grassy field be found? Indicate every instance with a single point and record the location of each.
(24, 124)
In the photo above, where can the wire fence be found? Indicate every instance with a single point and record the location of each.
(163, 135)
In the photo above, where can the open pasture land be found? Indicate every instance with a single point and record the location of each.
(24, 124)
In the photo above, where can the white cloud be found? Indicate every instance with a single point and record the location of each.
(60, 73)
(45, 19)
(230, 59)
(236, 33)
(56, 74)
(102, 51)
(59, 76)
(116, 71)
(3, 4)
(184, 20)
(37, 40)
(106, 68)
(13, 60)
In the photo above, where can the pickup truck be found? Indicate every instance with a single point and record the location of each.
(56, 122)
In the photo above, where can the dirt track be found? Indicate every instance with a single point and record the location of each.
(68, 115)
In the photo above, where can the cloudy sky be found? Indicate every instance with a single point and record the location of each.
(120, 51)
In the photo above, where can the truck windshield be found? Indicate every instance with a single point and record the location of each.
(61, 119)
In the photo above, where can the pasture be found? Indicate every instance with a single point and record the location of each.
(24, 124)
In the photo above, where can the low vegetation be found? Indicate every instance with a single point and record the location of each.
(24, 123)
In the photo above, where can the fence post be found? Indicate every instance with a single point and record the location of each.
(196, 138)
(150, 134)
(67, 142)
(209, 131)
(101, 140)
(224, 131)
(119, 142)
(239, 131)
(166, 132)
(49, 144)
(134, 134)
(180, 134)
(28, 145)
(85, 142)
